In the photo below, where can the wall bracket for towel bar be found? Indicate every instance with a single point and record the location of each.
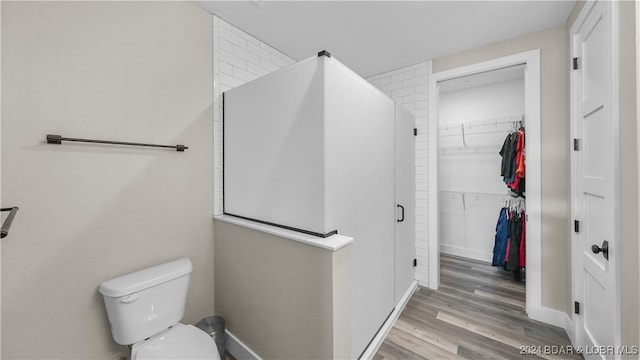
(6, 225)
(57, 139)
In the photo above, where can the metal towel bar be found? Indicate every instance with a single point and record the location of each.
(7, 222)
(57, 139)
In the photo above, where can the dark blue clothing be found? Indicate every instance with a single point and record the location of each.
(502, 237)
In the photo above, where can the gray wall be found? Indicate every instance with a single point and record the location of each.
(284, 299)
(554, 105)
(138, 71)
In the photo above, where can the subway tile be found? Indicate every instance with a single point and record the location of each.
(230, 81)
(421, 251)
(233, 38)
(261, 52)
(223, 24)
(234, 60)
(279, 61)
(422, 203)
(391, 86)
(421, 194)
(424, 70)
(414, 81)
(422, 153)
(245, 35)
(225, 67)
(403, 91)
(422, 104)
(422, 227)
(415, 98)
(422, 265)
(422, 113)
(403, 76)
(409, 106)
(225, 45)
(244, 75)
(246, 55)
(267, 64)
(422, 145)
(422, 88)
(257, 70)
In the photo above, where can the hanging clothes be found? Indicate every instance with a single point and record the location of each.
(501, 239)
(508, 153)
(512, 168)
(515, 237)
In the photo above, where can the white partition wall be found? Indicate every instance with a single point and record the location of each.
(360, 202)
(273, 148)
(312, 147)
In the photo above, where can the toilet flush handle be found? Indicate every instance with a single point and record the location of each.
(129, 298)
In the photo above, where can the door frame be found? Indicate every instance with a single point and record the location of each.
(614, 258)
(532, 115)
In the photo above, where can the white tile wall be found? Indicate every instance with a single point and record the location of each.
(409, 86)
(237, 58)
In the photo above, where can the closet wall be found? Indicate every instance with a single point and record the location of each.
(476, 114)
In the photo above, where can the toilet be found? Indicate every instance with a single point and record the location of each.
(144, 309)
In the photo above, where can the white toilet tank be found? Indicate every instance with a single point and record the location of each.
(146, 302)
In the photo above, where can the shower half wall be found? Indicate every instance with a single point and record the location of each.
(312, 149)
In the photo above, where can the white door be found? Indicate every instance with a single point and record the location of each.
(594, 159)
(405, 202)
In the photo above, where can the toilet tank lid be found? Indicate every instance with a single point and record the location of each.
(146, 278)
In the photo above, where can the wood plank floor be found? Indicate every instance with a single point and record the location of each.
(477, 313)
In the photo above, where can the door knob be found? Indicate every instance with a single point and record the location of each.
(604, 249)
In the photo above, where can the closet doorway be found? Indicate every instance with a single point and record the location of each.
(472, 111)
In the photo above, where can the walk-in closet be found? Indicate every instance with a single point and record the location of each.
(482, 168)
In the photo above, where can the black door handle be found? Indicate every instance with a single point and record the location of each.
(604, 249)
(401, 208)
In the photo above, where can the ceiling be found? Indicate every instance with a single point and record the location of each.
(373, 37)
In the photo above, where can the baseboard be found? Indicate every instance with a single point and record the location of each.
(238, 349)
(466, 253)
(391, 320)
(559, 319)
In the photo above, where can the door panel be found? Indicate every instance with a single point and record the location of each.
(405, 196)
(593, 179)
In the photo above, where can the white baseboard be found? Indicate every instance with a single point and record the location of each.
(466, 253)
(559, 319)
(238, 349)
(391, 320)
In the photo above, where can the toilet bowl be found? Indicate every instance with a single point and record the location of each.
(179, 342)
(144, 309)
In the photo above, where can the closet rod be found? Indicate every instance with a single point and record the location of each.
(6, 225)
(485, 122)
(57, 139)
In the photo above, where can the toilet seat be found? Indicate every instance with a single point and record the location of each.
(180, 342)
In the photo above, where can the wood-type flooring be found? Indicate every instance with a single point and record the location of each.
(477, 313)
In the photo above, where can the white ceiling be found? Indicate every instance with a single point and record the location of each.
(372, 37)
